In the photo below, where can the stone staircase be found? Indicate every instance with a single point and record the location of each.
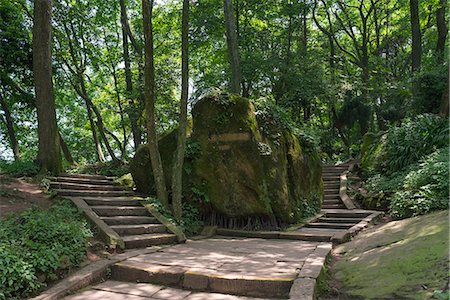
(114, 210)
(336, 223)
(331, 185)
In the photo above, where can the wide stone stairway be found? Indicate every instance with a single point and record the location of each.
(232, 264)
(120, 217)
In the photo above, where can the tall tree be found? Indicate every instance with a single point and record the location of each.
(149, 95)
(177, 172)
(49, 153)
(232, 43)
(416, 54)
(442, 30)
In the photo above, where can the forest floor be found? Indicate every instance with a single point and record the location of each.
(19, 194)
(405, 259)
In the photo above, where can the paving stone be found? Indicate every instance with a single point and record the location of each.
(100, 295)
(171, 294)
(136, 289)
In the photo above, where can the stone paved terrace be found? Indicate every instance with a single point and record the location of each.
(248, 267)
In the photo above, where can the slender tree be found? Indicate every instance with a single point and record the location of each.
(49, 153)
(232, 43)
(177, 172)
(149, 95)
(416, 54)
(10, 127)
(442, 30)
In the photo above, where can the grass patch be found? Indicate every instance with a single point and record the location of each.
(405, 259)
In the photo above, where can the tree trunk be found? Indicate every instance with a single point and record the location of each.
(232, 43)
(49, 153)
(149, 94)
(305, 28)
(442, 31)
(65, 150)
(101, 128)
(135, 129)
(10, 127)
(122, 145)
(177, 171)
(416, 35)
(98, 145)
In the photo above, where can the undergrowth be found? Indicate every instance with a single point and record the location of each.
(19, 168)
(409, 167)
(38, 245)
(190, 221)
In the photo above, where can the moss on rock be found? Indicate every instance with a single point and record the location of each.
(241, 172)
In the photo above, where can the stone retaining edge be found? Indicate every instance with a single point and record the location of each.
(181, 237)
(92, 273)
(305, 286)
(343, 192)
(106, 233)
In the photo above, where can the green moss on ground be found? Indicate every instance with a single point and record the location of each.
(405, 259)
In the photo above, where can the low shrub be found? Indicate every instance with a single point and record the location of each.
(37, 244)
(425, 187)
(110, 168)
(19, 168)
(402, 146)
(191, 222)
(421, 188)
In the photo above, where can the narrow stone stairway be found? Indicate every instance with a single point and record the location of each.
(336, 223)
(331, 184)
(114, 209)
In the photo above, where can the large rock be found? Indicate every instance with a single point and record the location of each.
(248, 166)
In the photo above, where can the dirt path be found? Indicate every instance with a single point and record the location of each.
(18, 194)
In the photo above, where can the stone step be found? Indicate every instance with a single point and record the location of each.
(202, 279)
(139, 229)
(115, 201)
(349, 214)
(81, 193)
(331, 184)
(331, 191)
(147, 240)
(321, 231)
(332, 178)
(334, 206)
(331, 174)
(87, 176)
(327, 168)
(82, 180)
(331, 196)
(111, 211)
(301, 235)
(129, 220)
(335, 201)
(85, 187)
(330, 225)
(339, 220)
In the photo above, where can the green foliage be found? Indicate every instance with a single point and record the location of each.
(111, 168)
(19, 168)
(419, 189)
(425, 187)
(404, 145)
(190, 223)
(39, 242)
(429, 87)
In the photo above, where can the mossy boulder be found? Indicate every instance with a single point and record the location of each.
(246, 166)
